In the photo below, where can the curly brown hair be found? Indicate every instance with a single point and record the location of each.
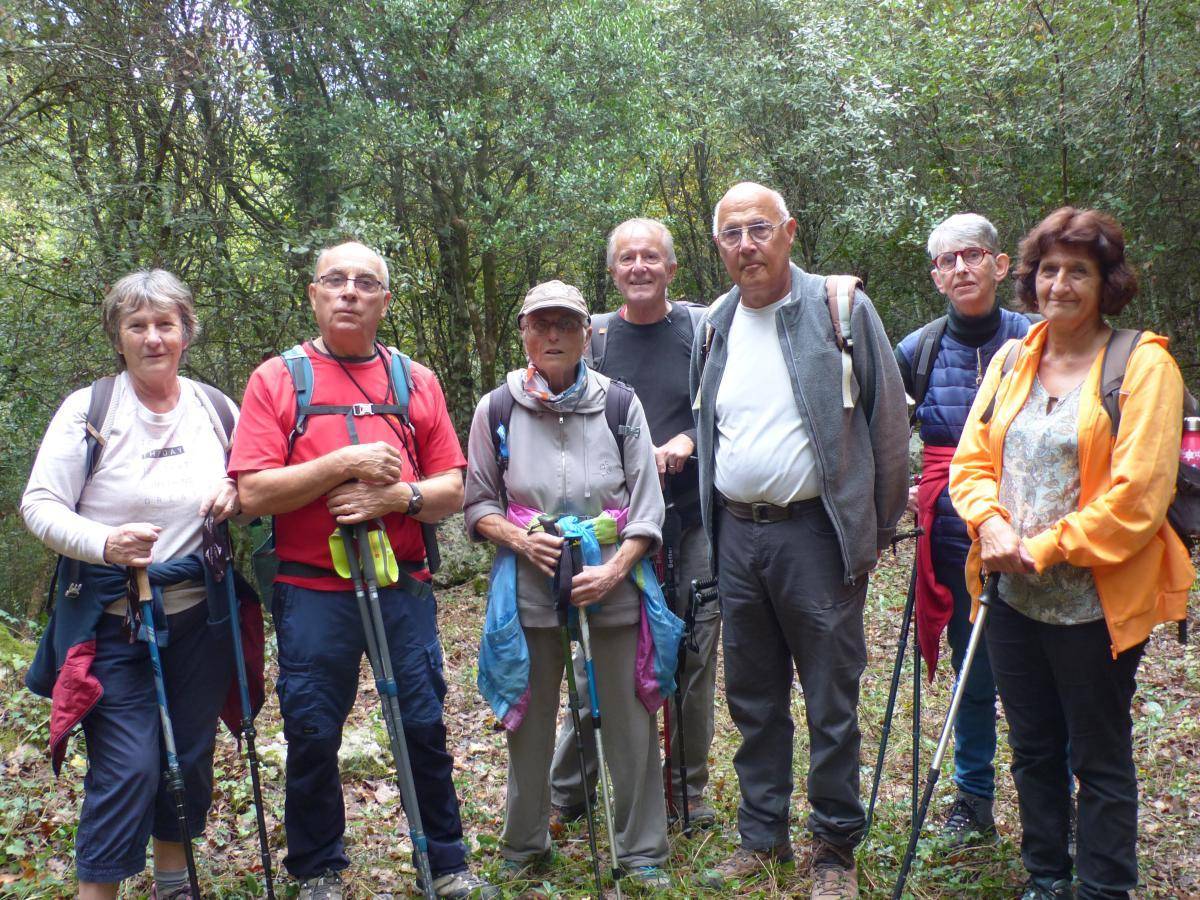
(1099, 235)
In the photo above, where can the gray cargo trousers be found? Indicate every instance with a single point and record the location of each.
(785, 607)
(699, 678)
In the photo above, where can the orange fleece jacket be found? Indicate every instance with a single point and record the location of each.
(1141, 567)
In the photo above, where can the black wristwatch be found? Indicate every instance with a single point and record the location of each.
(416, 501)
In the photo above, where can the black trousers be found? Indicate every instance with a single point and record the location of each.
(1067, 702)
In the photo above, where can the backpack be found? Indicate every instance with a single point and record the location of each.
(96, 437)
(500, 407)
(929, 344)
(597, 350)
(839, 295)
(1184, 511)
(401, 384)
(300, 368)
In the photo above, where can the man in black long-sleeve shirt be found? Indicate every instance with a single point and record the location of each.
(647, 344)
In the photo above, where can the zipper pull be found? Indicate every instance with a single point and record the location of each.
(978, 366)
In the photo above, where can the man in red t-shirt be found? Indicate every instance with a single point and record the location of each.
(401, 473)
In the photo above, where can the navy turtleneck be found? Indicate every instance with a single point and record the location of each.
(974, 331)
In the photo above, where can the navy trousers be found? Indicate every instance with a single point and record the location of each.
(321, 646)
(125, 797)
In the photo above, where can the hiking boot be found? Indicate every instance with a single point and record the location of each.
(970, 819)
(562, 816)
(745, 863)
(327, 886)
(463, 885)
(700, 816)
(179, 893)
(835, 876)
(646, 878)
(521, 869)
(1042, 888)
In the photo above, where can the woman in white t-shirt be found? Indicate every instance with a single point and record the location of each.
(134, 495)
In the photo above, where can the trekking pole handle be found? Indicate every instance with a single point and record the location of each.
(143, 585)
(905, 535)
(705, 590)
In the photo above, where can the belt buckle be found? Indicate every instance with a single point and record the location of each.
(361, 409)
(760, 513)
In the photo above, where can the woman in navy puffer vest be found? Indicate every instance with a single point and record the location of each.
(967, 268)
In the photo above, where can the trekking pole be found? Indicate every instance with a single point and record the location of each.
(935, 765)
(894, 688)
(218, 556)
(672, 534)
(601, 764)
(174, 773)
(702, 592)
(362, 569)
(562, 594)
(916, 714)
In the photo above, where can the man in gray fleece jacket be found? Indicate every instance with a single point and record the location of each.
(802, 479)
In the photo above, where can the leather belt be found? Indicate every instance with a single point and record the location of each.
(765, 513)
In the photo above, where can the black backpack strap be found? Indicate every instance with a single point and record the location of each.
(1112, 371)
(616, 411)
(598, 347)
(101, 398)
(929, 343)
(686, 324)
(1010, 359)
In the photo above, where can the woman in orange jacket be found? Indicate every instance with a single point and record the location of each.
(1075, 523)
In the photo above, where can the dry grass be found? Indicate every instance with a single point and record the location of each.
(37, 814)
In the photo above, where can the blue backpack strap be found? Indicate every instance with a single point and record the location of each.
(300, 369)
(402, 383)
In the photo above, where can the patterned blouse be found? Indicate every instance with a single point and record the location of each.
(1039, 486)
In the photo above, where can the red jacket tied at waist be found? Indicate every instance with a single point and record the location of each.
(935, 603)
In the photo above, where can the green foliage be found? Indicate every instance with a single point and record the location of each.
(485, 145)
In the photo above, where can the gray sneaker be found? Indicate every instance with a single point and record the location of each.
(327, 886)
(463, 885)
(970, 820)
(647, 878)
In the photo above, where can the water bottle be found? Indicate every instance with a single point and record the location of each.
(1189, 451)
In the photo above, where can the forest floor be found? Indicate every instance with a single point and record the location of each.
(38, 813)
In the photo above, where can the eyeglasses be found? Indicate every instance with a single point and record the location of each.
(563, 325)
(972, 256)
(335, 281)
(760, 233)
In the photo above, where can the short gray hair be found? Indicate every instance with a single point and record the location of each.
(774, 195)
(371, 250)
(664, 235)
(963, 230)
(155, 288)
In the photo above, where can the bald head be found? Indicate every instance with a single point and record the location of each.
(751, 191)
(359, 249)
(753, 233)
